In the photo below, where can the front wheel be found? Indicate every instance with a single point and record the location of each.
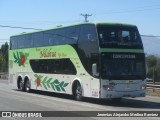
(78, 92)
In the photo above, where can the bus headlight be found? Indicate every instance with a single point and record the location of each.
(143, 87)
(109, 86)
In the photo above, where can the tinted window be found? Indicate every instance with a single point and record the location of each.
(60, 36)
(28, 43)
(13, 43)
(20, 41)
(38, 39)
(53, 66)
(123, 66)
(87, 33)
(49, 37)
(72, 34)
(119, 36)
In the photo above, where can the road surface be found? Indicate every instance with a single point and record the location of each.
(13, 100)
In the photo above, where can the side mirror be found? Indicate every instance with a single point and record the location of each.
(94, 69)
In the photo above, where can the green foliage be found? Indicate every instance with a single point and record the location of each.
(3, 67)
(153, 63)
(151, 60)
(4, 57)
(157, 70)
(4, 51)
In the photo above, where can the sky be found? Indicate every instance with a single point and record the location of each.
(45, 14)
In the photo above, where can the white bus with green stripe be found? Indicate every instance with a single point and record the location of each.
(96, 60)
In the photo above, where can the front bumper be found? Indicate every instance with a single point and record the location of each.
(121, 94)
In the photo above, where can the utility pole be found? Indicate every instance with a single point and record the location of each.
(86, 16)
(153, 75)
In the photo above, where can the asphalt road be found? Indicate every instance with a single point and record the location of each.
(13, 100)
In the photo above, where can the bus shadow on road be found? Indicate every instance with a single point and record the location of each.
(130, 103)
(46, 93)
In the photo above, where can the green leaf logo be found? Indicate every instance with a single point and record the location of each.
(38, 80)
(50, 83)
(20, 58)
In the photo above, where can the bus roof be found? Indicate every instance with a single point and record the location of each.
(94, 23)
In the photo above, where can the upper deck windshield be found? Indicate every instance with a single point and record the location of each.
(119, 36)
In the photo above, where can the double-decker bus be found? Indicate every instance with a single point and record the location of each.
(97, 60)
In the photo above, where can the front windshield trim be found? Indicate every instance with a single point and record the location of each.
(103, 50)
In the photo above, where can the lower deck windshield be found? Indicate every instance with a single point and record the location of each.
(123, 69)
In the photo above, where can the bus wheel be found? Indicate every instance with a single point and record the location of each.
(21, 85)
(27, 85)
(78, 92)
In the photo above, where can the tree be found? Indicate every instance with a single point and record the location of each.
(4, 51)
(153, 63)
(4, 58)
(3, 67)
(157, 70)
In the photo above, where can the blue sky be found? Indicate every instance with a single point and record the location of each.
(46, 14)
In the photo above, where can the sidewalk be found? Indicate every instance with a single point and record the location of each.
(153, 92)
(4, 77)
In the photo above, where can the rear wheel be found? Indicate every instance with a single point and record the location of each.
(21, 85)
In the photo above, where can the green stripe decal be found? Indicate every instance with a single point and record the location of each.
(121, 50)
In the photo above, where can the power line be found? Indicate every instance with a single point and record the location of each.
(3, 42)
(129, 10)
(19, 27)
(85, 15)
(140, 35)
(4, 39)
(150, 36)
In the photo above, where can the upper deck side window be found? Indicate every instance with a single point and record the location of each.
(87, 33)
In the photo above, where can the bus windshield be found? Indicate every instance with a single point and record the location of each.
(123, 66)
(119, 36)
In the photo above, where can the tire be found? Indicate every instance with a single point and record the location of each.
(21, 85)
(27, 86)
(78, 92)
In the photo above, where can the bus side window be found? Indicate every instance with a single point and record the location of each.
(21, 40)
(49, 37)
(38, 38)
(28, 43)
(13, 43)
(87, 33)
(60, 36)
(72, 35)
